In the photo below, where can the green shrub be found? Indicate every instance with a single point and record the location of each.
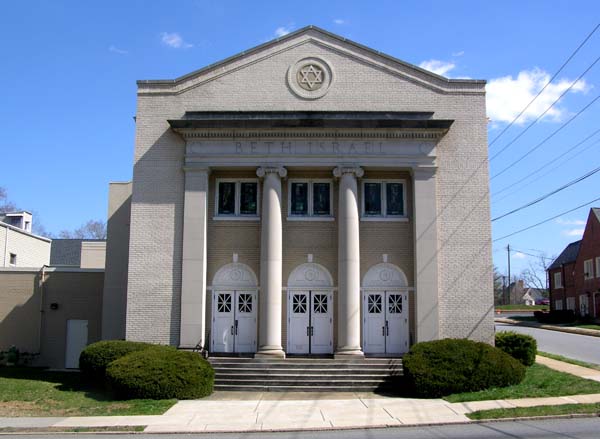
(96, 357)
(441, 367)
(520, 346)
(161, 374)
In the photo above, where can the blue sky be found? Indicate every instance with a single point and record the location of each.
(69, 70)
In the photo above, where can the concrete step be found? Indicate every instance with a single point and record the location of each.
(306, 374)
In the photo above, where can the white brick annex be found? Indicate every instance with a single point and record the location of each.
(310, 196)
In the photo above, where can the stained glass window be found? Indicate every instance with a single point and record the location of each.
(374, 303)
(299, 201)
(224, 302)
(320, 303)
(245, 303)
(321, 199)
(395, 303)
(299, 303)
(372, 198)
(227, 198)
(248, 197)
(394, 199)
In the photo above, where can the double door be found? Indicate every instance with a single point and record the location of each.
(310, 322)
(385, 322)
(234, 321)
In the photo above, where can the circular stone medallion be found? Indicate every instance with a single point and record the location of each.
(310, 78)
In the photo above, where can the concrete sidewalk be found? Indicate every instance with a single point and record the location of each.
(256, 411)
(567, 329)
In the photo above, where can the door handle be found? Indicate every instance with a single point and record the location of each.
(308, 331)
(387, 328)
(231, 329)
(236, 327)
(312, 331)
(383, 331)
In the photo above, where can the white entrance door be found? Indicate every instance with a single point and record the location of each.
(310, 322)
(385, 322)
(234, 321)
(77, 339)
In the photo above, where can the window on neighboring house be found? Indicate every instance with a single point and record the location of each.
(571, 303)
(237, 198)
(13, 259)
(584, 305)
(309, 199)
(557, 280)
(588, 269)
(383, 199)
(598, 266)
(558, 304)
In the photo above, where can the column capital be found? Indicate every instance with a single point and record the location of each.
(264, 170)
(341, 170)
(423, 172)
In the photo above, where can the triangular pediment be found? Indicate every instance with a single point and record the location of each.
(325, 54)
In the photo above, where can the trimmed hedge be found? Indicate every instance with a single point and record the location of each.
(161, 373)
(519, 346)
(96, 357)
(442, 367)
(555, 316)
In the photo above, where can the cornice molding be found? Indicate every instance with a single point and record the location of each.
(432, 135)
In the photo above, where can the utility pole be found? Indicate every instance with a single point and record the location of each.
(508, 251)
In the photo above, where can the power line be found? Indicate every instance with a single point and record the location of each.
(541, 168)
(546, 220)
(533, 256)
(547, 84)
(564, 125)
(545, 111)
(549, 194)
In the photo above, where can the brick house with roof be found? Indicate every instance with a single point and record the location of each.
(575, 274)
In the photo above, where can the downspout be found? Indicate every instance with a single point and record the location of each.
(41, 285)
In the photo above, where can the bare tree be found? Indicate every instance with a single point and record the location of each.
(535, 275)
(5, 204)
(90, 230)
(498, 287)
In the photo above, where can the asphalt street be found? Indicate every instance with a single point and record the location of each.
(579, 428)
(579, 347)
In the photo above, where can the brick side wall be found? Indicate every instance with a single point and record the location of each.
(31, 251)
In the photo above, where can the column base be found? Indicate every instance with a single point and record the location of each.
(348, 354)
(270, 352)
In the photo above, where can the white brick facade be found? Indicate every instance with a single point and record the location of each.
(458, 216)
(29, 250)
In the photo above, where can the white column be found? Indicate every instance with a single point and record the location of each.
(426, 251)
(348, 263)
(193, 268)
(271, 256)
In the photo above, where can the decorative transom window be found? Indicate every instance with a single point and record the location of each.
(320, 303)
(237, 198)
(374, 303)
(383, 199)
(395, 304)
(557, 280)
(309, 198)
(245, 303)
(224, 302)
(299, 303)
(588, 269)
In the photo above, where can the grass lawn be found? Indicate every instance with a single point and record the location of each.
(521, 307)
(36, 392)
(569, 360)
(539, 381)
(544, 410)
(596, 327)
(524, 318)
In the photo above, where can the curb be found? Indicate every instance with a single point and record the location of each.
(569, 330)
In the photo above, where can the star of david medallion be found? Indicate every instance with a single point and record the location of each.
(310, 78)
